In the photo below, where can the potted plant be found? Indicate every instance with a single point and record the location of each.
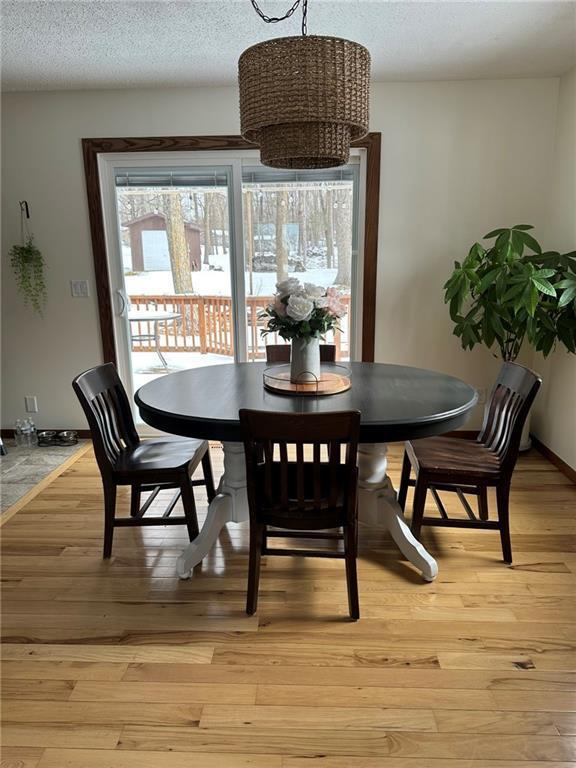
(28, 265)
(509, 291)
(303, 314)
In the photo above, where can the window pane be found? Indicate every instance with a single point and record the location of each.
(175, 243)
(303, 227)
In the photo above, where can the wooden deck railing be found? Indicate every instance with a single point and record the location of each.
(205, 325)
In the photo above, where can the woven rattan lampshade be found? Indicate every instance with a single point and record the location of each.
(304, 99)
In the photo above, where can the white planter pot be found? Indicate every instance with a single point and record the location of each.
(305, 361)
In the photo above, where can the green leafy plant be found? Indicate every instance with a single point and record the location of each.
(28, 265)
(511, 290)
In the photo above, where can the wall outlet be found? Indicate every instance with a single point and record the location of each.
(79, 289)
(31, 403)
(481, 395)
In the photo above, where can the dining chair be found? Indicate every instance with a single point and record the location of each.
(301, 498)
(280, 353)
(472, 466)
(145, 465)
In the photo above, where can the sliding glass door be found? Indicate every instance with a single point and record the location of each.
(195, 249)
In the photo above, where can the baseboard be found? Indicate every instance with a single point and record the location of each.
(83, 434)
(553, 458)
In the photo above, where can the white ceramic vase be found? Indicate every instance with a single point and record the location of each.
(305, 361)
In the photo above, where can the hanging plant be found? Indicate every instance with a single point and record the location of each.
(28, 265)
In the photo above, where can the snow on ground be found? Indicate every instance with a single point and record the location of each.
(212, 282)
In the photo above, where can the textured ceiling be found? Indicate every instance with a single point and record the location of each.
(51, 45)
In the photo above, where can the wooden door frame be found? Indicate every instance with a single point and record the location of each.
(91, 148)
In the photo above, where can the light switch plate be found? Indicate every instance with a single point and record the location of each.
(31, 403)
(79, 289)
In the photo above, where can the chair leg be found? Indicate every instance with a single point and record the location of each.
(256, 537)
(189, 505)
(420, 491)
(502, 498)
(135, 498)
(483, 503)
(351, 552)
(403, 490)
(109, 514)
(208, 476)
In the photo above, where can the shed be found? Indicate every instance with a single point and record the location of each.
(149, 243)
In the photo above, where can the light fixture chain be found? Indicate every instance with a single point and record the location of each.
(289, 12)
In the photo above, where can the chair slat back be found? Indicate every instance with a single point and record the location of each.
(280, 353)
(509, 405)
(107, 409)
(304, 484)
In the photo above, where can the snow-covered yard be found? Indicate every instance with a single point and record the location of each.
(216, 281)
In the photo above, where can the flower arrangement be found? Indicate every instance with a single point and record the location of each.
(303, 310)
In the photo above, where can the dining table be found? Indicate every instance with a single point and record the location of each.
(396, 403)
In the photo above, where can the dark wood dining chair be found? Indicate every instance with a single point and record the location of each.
(145, 465)
(302, 498)
(280, 353)
(472, 466)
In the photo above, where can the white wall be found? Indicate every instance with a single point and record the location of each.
(459, 158)
(554, 417)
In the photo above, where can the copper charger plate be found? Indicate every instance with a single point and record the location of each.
(328, 384)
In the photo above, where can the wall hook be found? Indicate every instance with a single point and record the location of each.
(24, 208)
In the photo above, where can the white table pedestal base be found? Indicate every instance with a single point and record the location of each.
(377, 506)
(229, 506)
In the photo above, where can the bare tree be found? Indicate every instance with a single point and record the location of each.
(327, 203)
(281, 249)
(177, 245)
(249, 238)
(343, 236)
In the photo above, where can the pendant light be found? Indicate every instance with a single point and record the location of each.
(303, 99)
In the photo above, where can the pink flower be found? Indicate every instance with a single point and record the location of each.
(335, 306)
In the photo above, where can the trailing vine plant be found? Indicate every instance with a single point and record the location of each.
(27, 263)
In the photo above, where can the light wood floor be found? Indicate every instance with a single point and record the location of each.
(120, 665)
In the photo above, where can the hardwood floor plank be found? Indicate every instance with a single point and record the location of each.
(353, 742)
(196, 693)
(61, 670)
(84, 758)
(338, 696)
(559, 701)
(194, 654)
(317, 717)
(44, 690)
(59, 735)
(364, 676)
(20, 757)
(471, 721)
(108, 713)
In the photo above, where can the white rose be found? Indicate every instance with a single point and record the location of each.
(322, 302)
(299, 308)
(288, 286)
(313, 291)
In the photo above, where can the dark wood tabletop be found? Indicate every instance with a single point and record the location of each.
(396, 402)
